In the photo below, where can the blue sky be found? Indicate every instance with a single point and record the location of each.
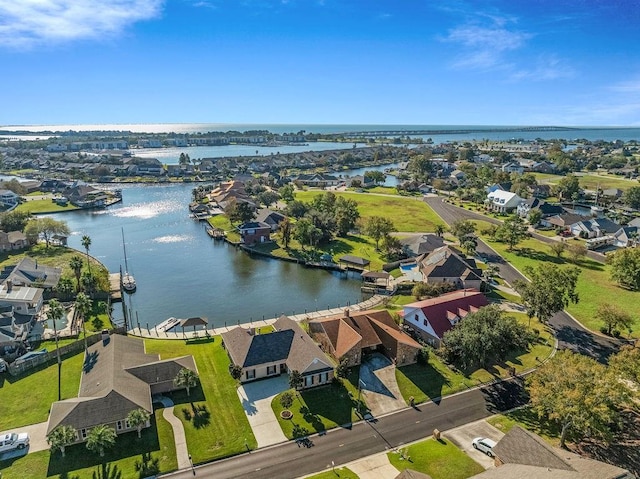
(517, 62)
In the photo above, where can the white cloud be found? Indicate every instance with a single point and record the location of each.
(545, 68)
(24, 23)
(629, 86)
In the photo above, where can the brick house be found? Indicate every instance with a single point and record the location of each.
(254, 232)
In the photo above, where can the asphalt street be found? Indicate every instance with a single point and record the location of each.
(570, 333)
(343, 445)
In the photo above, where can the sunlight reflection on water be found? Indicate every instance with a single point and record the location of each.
(172, 239)
(147, 210)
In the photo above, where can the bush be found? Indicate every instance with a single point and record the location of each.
(423, 355)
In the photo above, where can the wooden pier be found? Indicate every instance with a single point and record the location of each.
(114, 287)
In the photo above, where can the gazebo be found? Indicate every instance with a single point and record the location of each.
(377, 278)
(195, 321)
(354, 261)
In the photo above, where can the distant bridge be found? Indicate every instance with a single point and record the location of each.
(388, 133)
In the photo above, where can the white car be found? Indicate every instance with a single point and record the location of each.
(13, 440)
(484, 444)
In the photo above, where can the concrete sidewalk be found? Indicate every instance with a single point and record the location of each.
(179, 438)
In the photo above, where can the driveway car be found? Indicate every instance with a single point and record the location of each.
(13, 440)
(484, 444)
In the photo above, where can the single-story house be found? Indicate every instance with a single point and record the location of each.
(444, 264)
(503, 201)
(13, 240)
(352, 334)
(318, 180)
(546, 209)
(419, 245)
(272, 218)
(118, 378)
(563, 221)
(431, 318)
(626, 236)
(512, 167)
(254, 232)
(594, 228)
(286, 349)
(523, 454)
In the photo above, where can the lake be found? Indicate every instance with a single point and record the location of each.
(182, 272)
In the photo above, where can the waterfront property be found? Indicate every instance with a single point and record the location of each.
(287, 349)
(254, 232)
(431, 318)
(351, 335)
(118, 377)
(444, 264)
(13, 240)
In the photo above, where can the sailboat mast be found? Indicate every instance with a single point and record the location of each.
(124, 247)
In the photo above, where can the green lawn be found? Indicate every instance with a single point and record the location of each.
(439, 459)
(435, 379)
(318, 409)
(527, 419)
(21, 407)
(409, 214)
(214, 421)
(131, 457)
(594, 284)
(337, 473)
(591, 181)
(44, 206)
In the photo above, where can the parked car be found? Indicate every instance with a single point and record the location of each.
(13, 440)
(484, 444)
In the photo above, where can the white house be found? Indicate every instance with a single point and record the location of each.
(512, 167)
(9, 198)
(503, 201)
(24, 299)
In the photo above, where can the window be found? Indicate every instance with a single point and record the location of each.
(83, 433)
(119, 425)
(415, 318)
(271, 370)
(425, 322)
(326, 377)
(251, 374)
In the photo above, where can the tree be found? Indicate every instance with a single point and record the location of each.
(534, 217)
(342, 369)
(375, 176)
(558, 248)
(484, 336)
(377, 227)
(89, 282)
(239, 211)
(286, 400)
(574, 391)
(83, 307)
(576, 251)
(287, 193)
(440, 229)
(86, 244)
(296, 209)
(625, 267)
(462, 228)
(469, 243)
(420, 290)
(305, 232)
(75, 263)
(550, 290)
(61, 437)
(138, 418)
(568, 187)
(346, 215)
(14, 221)
(186, 378)
(100, 438)
(625, 365)
(613, 317)
(512, 231)
(631, 197)
(235, 371)
(295, 380)
(55, 313)
(267, 198)
(46, 228)
(65, 288)
(286, 229)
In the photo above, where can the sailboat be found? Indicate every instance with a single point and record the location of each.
(128, 281)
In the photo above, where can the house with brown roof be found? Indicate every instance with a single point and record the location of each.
(254, 232)
(522, 454)
(288, 348)
(445, 264)
(117, 377)
(13, 240)
(352, 334)
(431, 318)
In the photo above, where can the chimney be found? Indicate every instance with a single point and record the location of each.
(9, 285)
(252, 331)
(346, 313)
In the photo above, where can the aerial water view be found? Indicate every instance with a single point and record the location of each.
(316, 239)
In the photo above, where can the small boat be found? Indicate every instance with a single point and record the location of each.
(127, 279)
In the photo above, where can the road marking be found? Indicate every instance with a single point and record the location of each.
(340, 445)
(258, 468)
(417, 422)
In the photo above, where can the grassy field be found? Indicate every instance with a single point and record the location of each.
(439, 459)
(527, 419)
(20, 406)
(337, 473)
(435, 379)
(214, 421)
(410, 214)
(44, 206)
(321, 408)
(594, 284)
(591, 181)
(131, 457)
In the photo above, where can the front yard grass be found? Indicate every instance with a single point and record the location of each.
(21, 407)
(439, 459)
(214, 421)
(153, 454)
(526, 418)
(318, 409)
(339, 472)
(436, 379)
(44, 206)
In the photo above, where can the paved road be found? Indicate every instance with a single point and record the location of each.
(570, 333)
(343, 445)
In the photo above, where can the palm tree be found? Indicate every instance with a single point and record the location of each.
(83, 307)
(61, 437)
(86, 243)
(138, 418)
(440, 229)
(100, 438)
(75, 263)
(186, 378)
(54, 313)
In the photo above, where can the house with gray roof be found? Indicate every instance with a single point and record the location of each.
(522, 454)
(444, 264)
(117, 377)
(288, 348)
(422, 244)
(28, 272)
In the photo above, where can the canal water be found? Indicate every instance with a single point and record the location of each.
(181, 272)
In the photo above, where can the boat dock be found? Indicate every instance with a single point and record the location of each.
(114, 287)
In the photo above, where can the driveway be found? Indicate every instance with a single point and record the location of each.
(463, 435)
(256, 400)
(379, 385)
(37, 440)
